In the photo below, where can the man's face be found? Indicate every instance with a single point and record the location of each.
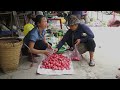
(73, 27)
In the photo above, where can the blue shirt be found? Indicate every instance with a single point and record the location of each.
(34, 35)
(78, 34)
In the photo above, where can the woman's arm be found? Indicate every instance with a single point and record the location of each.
(45, 40)
(35, 51)
(48, 45)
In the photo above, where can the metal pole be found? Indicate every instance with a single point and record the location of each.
(91, 14)
(97, 15)
(11, 24)
(34, 13)
(102, 16)
(5, 13)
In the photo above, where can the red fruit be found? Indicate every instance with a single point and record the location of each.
(75, 58)
(56, 62)
(41, 66)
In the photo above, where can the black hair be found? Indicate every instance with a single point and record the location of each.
(38, 19)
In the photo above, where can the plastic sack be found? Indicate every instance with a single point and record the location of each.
(114, 21)
(75, 55)
(28, 27)
(51, 51)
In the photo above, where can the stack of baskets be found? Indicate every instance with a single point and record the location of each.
(10, 49)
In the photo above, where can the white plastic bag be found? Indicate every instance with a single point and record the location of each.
(75, 56)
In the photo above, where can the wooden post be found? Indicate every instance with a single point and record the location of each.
(16, 18)
(11, 23)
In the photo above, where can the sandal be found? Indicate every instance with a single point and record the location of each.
(92, 63)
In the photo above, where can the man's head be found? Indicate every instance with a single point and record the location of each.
(73, 22)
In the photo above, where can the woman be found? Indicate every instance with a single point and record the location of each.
(35, 39)
(74, 36)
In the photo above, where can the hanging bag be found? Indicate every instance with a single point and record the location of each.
(75, 56)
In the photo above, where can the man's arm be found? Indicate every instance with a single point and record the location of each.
(64, 39)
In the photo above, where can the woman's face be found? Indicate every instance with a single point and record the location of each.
(43, 24)
(73, 27)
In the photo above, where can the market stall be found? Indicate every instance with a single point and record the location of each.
(10, 44)
(55, 32)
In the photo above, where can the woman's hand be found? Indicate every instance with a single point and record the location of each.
(46, 52)
(55, 50)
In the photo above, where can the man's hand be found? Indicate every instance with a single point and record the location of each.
(55, 50)
(77, 42)
(49, 46)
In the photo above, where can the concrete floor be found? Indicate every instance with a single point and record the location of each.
(102, 17)
(107, 60)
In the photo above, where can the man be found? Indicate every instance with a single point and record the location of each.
(84, 16)
(77, 13)
(77, 34)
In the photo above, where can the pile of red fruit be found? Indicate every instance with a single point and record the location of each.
(56, 62)
(75, 58)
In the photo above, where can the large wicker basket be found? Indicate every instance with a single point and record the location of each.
(9, 53)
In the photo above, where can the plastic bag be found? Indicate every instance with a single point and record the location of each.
(51, 51)
(75, 55)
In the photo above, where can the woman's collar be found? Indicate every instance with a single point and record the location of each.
(39, 30)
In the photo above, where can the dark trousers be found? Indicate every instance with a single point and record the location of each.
(90, 44)
(39, 45)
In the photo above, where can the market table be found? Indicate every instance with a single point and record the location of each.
(56, 19)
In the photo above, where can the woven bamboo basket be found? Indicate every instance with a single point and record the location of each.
(82, 48)
(10, 49)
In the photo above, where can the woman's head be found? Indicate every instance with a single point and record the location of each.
(41, 21)
(73, 22)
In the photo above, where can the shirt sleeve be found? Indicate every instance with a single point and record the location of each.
(62, 42)
(33, 38)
